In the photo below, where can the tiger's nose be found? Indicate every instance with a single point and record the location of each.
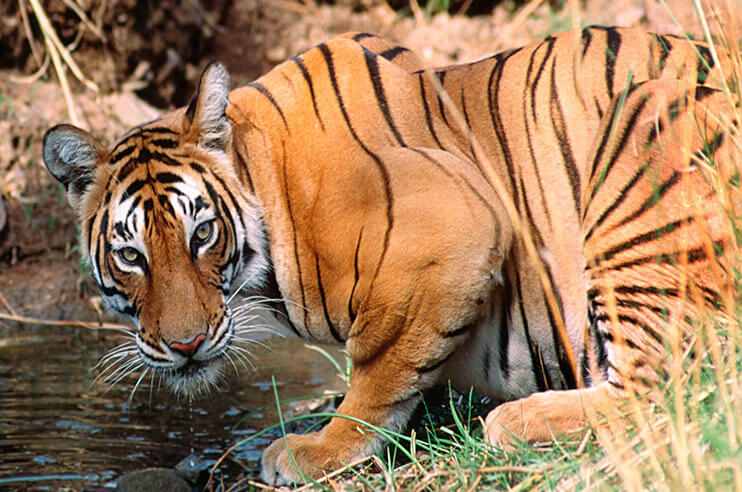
(189, 348)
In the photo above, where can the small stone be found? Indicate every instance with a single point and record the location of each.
(152, 480)
(191, 467)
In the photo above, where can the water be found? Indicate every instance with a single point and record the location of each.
(58, 430)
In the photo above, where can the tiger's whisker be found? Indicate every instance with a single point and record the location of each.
(122, 369)
(127, 373)
(134, 390)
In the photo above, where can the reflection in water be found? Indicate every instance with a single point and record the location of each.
(57, 430)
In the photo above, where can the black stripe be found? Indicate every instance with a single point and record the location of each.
(655, 132)
(165, 143)
(629, 303)
(260, 88)
(639, 239)
(292, 222)
(620, 197)
(503, 339)
(426, 108)
(568, 372)
(469, 129)
(122, 154)
(458, 331)
(608, 335)
(362, 35)
(627, 130)
(706, 154)
(356, 276)
(166, 159)
(665, 48)
(643, 290)
(441, 76)
(148, 205)
(166, 205)
(132, 209)
(126, 170)
(105, 251)
(704, 65)
(167, 178)
(486, 363)
(653, 199)
(133, 187)
(392, 53)
(308, 79)
(533, 86)
(493, 88)
(560, 128)
(611, 55)
(140, 132)
(702, 92)
(372, 64)
(529, 141)
(540, 382)
(624, 318)
(144, 156)
(691, 256)
(333, 330)
(433, 365)
(232, 201)
(587, 37)
(676, 107)
(197, 167)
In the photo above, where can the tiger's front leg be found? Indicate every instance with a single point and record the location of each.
(383, 392)
(396, 355)
(398, 344)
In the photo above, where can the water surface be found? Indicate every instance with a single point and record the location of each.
(59, 430)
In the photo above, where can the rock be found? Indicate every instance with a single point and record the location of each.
(152, 480)
(192, 467)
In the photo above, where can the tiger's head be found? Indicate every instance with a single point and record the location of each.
(168, 230)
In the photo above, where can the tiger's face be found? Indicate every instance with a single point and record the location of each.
(168, 231)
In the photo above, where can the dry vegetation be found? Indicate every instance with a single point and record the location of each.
(107, 65)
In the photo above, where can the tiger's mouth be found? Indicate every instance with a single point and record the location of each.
(194, 378)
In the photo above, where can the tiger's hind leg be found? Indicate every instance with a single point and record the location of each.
(656, 229)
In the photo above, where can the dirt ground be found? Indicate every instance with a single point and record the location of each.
(145, 57)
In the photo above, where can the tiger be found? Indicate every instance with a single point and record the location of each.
(537, 225)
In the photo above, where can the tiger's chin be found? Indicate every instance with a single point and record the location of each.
(195, 379)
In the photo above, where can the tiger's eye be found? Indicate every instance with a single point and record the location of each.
(203, 232)
(129, 255)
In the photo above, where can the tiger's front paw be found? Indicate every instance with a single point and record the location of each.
(504, 425)
(309, 458)
(540, 418)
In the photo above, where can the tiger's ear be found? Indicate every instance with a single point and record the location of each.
(206, 116)
(71, 155)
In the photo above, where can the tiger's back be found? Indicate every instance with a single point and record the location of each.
(510, 234)
(539, 140)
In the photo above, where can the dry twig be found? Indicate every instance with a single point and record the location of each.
(49, 322)
(59, 53)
